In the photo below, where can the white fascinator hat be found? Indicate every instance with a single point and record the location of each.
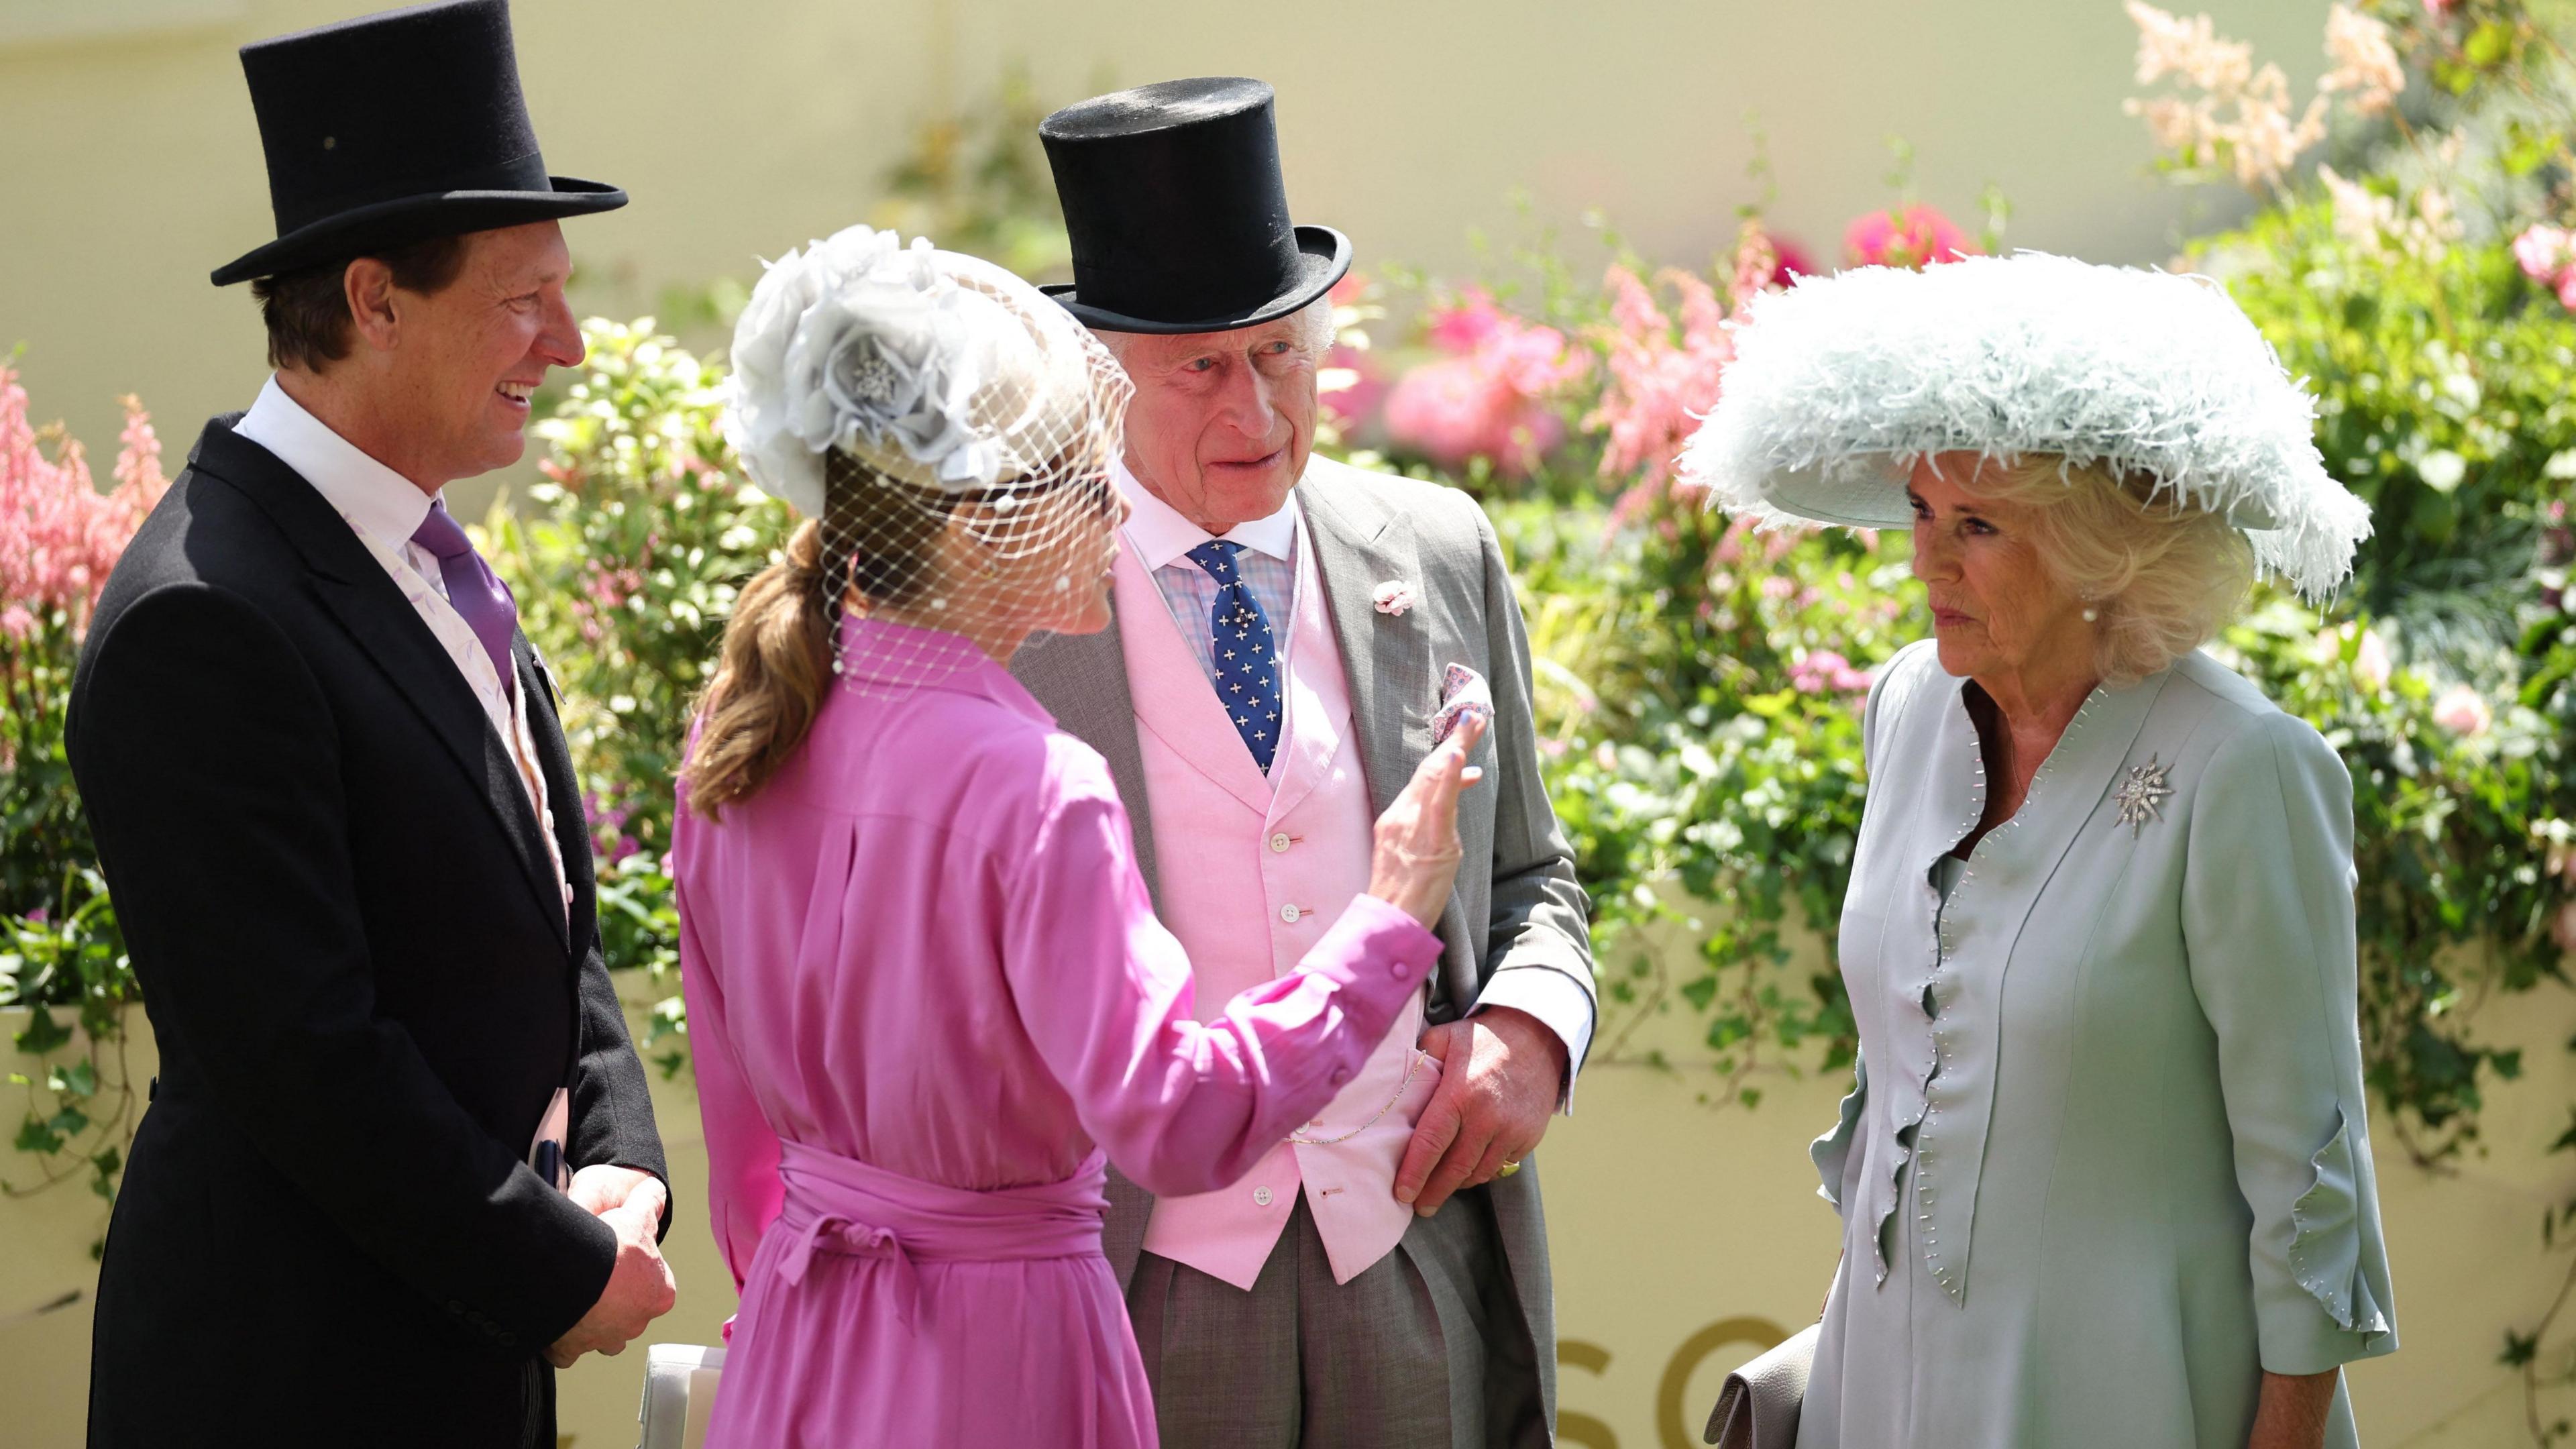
(1841, 383)
(934, 369)
(950, 429)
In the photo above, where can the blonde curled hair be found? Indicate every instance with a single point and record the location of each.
(2163, 578)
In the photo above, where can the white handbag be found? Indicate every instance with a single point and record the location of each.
(679, 1395)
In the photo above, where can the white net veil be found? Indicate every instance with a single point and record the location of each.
(952, 429)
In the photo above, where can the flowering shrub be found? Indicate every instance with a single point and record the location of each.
(59, 943)
(1489, 397)
(625, 561)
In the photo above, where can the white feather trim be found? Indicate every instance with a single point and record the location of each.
(1840, 383)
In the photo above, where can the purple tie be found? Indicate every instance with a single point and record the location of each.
(473, 590)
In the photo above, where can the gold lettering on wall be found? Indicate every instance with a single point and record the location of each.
(1677, 1425)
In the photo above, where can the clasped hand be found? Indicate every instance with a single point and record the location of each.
(640, 1288)
(1501, 1074)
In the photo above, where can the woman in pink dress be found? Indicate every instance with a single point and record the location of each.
(927, 993)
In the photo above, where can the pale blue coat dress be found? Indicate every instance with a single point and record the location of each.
(2106, 1158)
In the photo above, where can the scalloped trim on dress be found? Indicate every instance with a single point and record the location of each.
(1831, 1153)
(2325, 1247)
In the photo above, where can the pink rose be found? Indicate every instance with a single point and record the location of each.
(1916, 237)
(1392, 597)
(1490, 397)
(2542, 250)
(2463, 711)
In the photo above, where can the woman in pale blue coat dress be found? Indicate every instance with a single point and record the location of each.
(2105, 1174)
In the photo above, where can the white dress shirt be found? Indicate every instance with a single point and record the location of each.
(1162, 540)
(384, 509)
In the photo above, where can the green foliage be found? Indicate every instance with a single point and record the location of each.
(625, 561)
(41, 825)
(2444, 380)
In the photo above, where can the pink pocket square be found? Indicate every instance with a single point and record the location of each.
(1462, 692)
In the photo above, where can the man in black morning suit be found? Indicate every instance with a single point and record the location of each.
(400, 1157)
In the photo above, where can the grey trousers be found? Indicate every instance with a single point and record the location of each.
(1425, 1348)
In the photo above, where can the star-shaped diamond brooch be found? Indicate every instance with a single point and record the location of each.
(2143, 794)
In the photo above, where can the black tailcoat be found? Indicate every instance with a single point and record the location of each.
(356, 960)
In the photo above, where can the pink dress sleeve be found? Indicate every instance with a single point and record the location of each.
(743, 1188)
(1106, 994)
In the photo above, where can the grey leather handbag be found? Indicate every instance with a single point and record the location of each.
(1758, 1407)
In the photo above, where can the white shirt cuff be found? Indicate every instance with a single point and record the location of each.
(1560, 1004)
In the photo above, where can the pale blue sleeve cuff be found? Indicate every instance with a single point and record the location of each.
(1561, 1005)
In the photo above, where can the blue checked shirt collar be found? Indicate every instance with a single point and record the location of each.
(1162, 539)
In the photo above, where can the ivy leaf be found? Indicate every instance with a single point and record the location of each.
(69, 1122)
(34, 1136)
(43, 1034)
(80, 1079)
(1699, 993)
(2518, 1349)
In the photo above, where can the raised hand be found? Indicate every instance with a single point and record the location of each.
(1416, 857)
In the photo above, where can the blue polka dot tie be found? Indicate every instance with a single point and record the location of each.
(1246, 657)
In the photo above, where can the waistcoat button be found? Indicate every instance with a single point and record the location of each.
(1261, 1197)
(1279, 843)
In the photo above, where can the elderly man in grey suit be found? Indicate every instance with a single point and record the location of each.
(1284, 624)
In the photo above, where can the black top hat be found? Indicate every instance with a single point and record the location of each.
(395, 128)
(1178, 217)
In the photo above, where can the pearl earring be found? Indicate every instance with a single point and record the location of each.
(2091, 613)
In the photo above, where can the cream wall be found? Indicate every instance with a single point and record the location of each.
(130, 165)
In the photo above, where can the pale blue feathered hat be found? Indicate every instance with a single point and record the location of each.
(1840, 383)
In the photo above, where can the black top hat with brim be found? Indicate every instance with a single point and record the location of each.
(396, 128)
(1178, 217)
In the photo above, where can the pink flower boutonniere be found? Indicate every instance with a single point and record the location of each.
(1393, 597)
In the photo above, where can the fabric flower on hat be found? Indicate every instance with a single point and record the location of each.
(908, 359)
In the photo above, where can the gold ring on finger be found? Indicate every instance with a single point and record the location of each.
(1507, 1169)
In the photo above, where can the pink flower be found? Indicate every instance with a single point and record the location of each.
(2463, 711)
(2543, 251)
(1490, 397)
(59, 536)
(1916, 237)
(2440, 9)
(2563, 928)
(1392, 597)
(2370, 663)
(17, 623)
(1663, 373)
(1351, 385)
(1824, 671)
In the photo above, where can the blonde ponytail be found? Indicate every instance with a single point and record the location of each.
(775, 666)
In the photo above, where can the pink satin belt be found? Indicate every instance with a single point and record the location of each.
(842, 1205)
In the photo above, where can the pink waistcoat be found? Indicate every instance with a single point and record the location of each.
(1253, 870)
